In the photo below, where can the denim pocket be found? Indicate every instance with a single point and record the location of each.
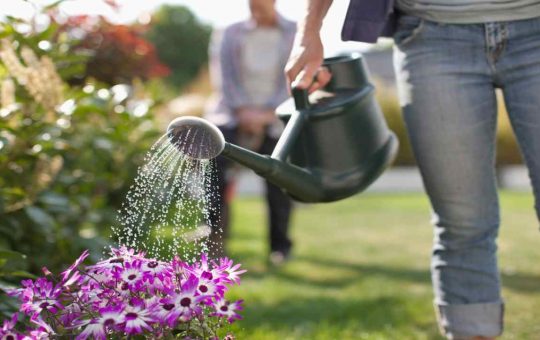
(408, 28)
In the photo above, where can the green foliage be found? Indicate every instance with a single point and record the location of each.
(181, 41)
(64, 168)
(13, 267)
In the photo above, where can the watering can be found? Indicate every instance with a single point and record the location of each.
(334, 145)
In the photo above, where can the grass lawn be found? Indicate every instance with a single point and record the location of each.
(361, 270)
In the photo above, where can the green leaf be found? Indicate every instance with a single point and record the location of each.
(53, 199)
(72, 70)
(10, 254)
(40, 217)
(21, 273)
(5, 286)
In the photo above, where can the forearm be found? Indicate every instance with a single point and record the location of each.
(315, 13)
(307, 55)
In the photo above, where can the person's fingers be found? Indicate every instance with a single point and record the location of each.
(322, 78)
(293, 67)
(304, 79)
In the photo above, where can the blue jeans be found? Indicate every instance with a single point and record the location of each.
(447, 75)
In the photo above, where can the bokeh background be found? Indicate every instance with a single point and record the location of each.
(87, 86)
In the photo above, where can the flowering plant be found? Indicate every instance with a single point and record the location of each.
(128, 294)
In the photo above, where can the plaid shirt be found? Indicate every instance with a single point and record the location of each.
(226, 70)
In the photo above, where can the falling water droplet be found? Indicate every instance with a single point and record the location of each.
(168, 209)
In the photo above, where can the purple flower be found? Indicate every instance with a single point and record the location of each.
(97, 327)
(107, 265)
(231, 271)
(93, 330)
(226, 309)
(208, 288)
(44, 327)
(117, 260)
(131, 274)
(126, 294)
(123, 251)
(209, 272)
(71, 314)
(178, 266)
(7, 331)
(137, 318)
(156, 269)
(39, 296)
(37, 334)
(180, 306)
(70, 276)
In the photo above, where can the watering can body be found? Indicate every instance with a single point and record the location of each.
(335, 143)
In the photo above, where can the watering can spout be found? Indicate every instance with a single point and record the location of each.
(200, 139)
(297, 182)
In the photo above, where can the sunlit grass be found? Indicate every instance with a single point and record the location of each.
(361, 270)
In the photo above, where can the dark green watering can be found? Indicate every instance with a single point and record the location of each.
(335, 143)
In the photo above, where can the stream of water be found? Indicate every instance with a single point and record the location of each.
(168, 209)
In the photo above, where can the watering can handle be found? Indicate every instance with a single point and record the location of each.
(301, 100)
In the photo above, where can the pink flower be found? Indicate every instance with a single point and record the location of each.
(44, 328)
(208, 288)
(71, 314)
(226, 309)
(124, 251)
(137, 318)
(97, 328)
(131, 274)
(198, 269)
(107, 265)
(37, 334)
(93, 330)
(70, 276)
(181, 306)
(8, 329)
(231, 271)
(40, 296)
(153, 269)
(127, 294)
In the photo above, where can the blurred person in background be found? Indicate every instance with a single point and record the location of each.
(450, 57)
(246, 64)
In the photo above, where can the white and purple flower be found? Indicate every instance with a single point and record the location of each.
(131, 274)
(181, 306)
(8, 331)
(126, 294)
(97, 328)
(137, 319)
(228, 310)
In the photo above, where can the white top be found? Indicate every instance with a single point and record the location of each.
(261, 63)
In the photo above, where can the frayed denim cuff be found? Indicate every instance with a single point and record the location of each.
(469, 320)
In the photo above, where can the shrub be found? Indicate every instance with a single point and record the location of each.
(181, 42)
(117, 53)
(67, 153)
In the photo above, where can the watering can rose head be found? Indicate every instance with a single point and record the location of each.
(196, 137)
(128, 294)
